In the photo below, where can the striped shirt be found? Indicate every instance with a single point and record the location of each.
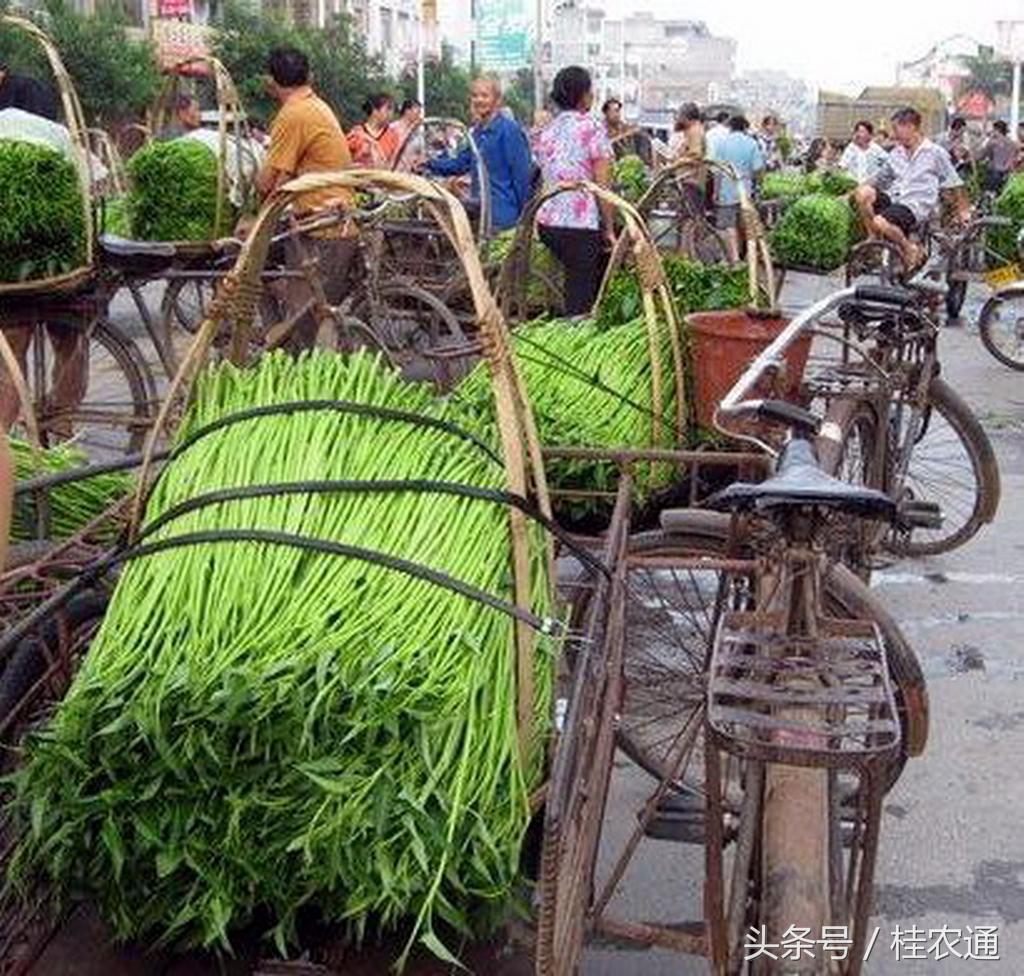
(915, 180)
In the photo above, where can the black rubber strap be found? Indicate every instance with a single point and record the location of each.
(544, 625)
(339, 406)
(419, 486)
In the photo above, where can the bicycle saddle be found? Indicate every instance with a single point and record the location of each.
(799, 480)
(136, 255)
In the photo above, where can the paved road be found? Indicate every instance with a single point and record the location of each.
(953, 848)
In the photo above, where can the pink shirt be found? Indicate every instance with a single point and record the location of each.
(567, 149)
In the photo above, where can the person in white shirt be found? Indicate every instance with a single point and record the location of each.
(863, 157)
(905, 193)
(716, 132)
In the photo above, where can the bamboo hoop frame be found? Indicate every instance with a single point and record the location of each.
(483, 178)
(10, 363)
(658, 306)
(231, 115)
(520, 445)
(75, 121)
(107, 152)
(760, 268)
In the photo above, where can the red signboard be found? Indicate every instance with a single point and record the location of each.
(174, 8)
(177, 40)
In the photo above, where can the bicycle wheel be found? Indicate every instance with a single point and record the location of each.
(186, 302)
(1001, 326)
(676, 584)
(407, 319)
(44, 663)
(107, 397)
(701, 242)
(669, 628)
(850, 452)
(951, 464)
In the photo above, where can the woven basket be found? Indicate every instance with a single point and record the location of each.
(231, 122)
(106, 151)
(75, 121)
(760, 270)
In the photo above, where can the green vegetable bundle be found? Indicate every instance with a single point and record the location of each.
(42, 222)
(545, 284)
(173, 194)
(695, 287)
(72, 505)
(790, 186)
(258, 727)
(590, 386)
(1001, 242)
(116, 219)
(784, 185)
(630, 178)
(832, 182)
(815, 232)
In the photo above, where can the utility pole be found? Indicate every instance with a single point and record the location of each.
(538, 57)
(421, 85)
(1015, 101)
(1011, 46)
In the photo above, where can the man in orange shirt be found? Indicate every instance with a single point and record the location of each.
(306, 137)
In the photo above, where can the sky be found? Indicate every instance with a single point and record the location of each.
(833, 45)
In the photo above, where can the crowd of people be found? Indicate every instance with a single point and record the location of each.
(899, 177)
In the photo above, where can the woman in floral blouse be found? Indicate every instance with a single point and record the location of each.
(575, 146)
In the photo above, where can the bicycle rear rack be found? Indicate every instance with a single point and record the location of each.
(817, 700)
(844, 380)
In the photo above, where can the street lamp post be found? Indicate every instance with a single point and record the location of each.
(1011, 46)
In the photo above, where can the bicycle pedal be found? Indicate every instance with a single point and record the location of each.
(683, 820)
(916, 514)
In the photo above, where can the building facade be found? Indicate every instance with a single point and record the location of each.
(942, 68)
(652, 65)
(774, 92)
(390, 27)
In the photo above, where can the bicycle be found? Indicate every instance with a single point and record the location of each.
(1001, 321)
(675, 209)
(395, 315)
(953, 256)
(101, 390)
(894, 424)
(770, 698)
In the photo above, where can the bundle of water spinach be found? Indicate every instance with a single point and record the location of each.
(260, 728)
(590, 385)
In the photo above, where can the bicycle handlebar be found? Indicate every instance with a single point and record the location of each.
(735, 406)
(893, 295)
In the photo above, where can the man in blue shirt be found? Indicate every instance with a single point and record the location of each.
(504, 149)
(742, 152)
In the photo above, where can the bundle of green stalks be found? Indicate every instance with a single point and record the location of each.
(260, 730)
(71, 505)
(589, 386)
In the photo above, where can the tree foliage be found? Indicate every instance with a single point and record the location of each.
(116, 76)
(446, 83)
(519, 95)
(987, 74)
(343, 72)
